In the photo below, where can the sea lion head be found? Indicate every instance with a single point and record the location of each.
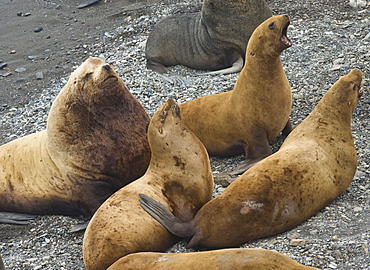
(166, 128)
(270, 37)
(95, 82)
(347, 90)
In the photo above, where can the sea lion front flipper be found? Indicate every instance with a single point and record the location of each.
(15, 218)
(161, 214)
(287, 129)
(235, 67)
(257, 149)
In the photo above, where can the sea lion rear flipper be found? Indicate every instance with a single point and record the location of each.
(15, 218)
(87, 3)
(235, 67)
(161, 214)
(79, 227)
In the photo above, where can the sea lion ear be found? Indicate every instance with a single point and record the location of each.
(272, 26)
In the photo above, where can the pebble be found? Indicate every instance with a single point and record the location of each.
(297, 242)
(39, 75)
(19, 70)
(2, 65)
(38, 29)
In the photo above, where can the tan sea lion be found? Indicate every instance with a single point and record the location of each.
(179, 176)
(225, 259)
(212, 39)
(95, 143)
(315, 164)
(246, 118)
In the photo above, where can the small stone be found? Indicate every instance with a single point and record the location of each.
(32, 57)
(2, 65)
(297, 242)
(12, 52)
(39, 75)
(337, 253)
(27, 14)
(38, 29)
(357, 209)
(19, 70)
(19, 13)
(21, 80)
(7, 74)
(335, 67)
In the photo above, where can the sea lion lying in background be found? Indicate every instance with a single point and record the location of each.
(315, 164)
(95, 142)
(238, 258)
(246, 118)
(179, 176)
(213, 39)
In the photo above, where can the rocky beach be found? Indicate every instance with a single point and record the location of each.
(43, 41)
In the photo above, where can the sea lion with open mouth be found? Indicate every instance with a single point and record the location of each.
(246, 118)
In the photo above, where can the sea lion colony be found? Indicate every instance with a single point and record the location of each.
(351, 105)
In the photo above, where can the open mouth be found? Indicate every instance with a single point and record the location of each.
(284, 38)
(110, 77)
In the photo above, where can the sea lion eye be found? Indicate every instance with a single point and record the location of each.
(163, 115)
(271, 26)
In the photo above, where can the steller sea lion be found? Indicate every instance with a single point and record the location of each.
(212, 39)
(179, 176)
(237, 258)
(315, 164)
(246, 118)
(95, 143)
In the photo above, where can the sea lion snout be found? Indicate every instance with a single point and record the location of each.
(107, 67)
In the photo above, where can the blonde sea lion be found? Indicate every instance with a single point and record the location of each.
(95, 142)
(315, 164)
(213, 39)
(237, 258)
(179, 176)
(246, 118)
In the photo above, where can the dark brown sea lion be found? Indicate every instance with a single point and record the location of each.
(95, 143)
(212, 39)
(315, 164)
(246, 118)
(225, 259)
(179, 176)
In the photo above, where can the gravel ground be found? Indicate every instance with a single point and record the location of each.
(329, 39)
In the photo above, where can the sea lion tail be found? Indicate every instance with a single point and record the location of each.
(161, 214)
